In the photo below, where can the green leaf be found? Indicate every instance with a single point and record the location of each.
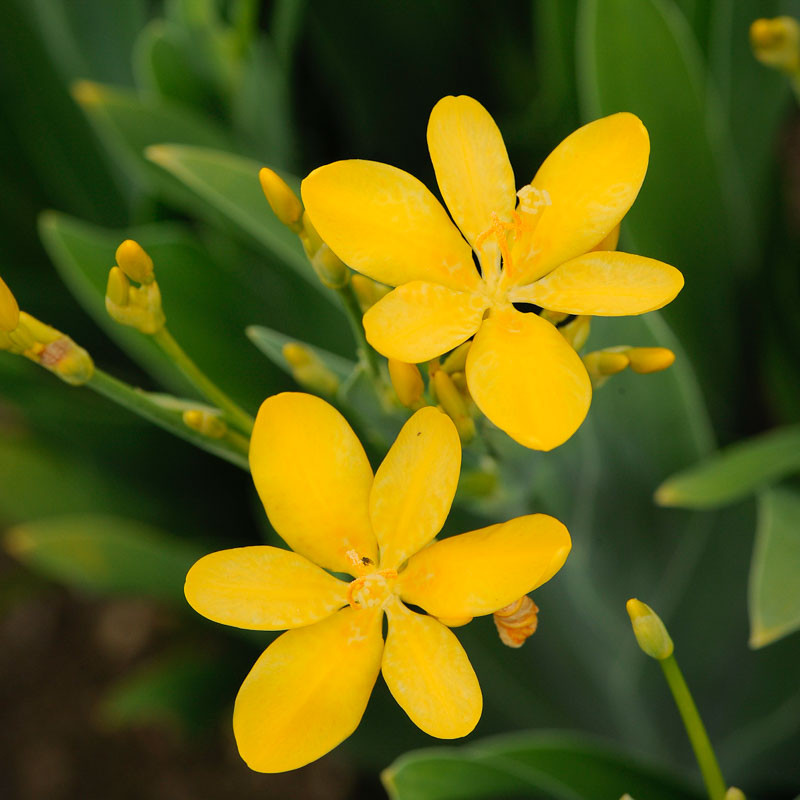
(554, 765)
(735, 472)
(182, 691)
(774, 595)
(103, 554)
(207, 306)
(692, 211)
(230, 185)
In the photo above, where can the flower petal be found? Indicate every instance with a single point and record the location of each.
(415, 485)
(385, 223)
(604, 284)
(262, 588)
(314, 480)
(481, 571)
(419, 321)
(308, 691)
(472, 168)
(429, 674)
(527, 380)
(592, 179)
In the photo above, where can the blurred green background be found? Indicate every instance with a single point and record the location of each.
(150, 119)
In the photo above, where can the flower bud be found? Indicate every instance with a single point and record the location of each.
(776, 43)
(134, 262)
(650, 359)
(330, 269)
(734, 794)
(650, 632)
(457, 360)
(407, 382)
(9, 310)
(206, 422)
(282, 200)
(454, 405)
(309, 370)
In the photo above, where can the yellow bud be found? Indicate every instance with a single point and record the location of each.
(460, 380)
(453, 404)
(454, 622)
(457, 360)
(118, 287)
(309, 370)
(577, 331)
(734, 794)
(206, 422)
(776, 43)
(407, 382)
(650, 359)
(368, 291)
(601, 364)
(282, 200)
(311, 240)
(134, 262)
(650, 632)
(330, 269)
(9, 310)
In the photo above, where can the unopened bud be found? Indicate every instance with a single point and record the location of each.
(118, 287)
(650, 359)
(601, 364)
(206, 422)
(776, 43)
(454, 622)
(577, 331)
(311, 240)
(734, 794)
(650, 632)
(368, 291)
(407, 382)
(309, 370)
(9, 310)
(134, 262)
(282, 200)
(135, 306)
(454, 405)
(330, 269)
(457, 360)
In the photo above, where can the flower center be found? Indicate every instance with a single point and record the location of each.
(372, 590)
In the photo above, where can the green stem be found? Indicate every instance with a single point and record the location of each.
(233, 447)
(245, 20)
(366, 354)
(240, 418)
(701, 744)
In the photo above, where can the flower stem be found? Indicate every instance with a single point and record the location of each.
(703, 751)
(365, 352)
(232, 447)
(240, 418)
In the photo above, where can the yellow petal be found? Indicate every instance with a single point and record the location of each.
(472, 168)
(314, 480)
(482, 571)
(419, 321)
(415, 485)
(429, 674)
(262, 588)
(604, 284)
(592, 179)
(385, 223)
(527, 380)
(9, 310)
(308, 691)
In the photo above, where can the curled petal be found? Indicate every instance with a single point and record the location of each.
(604, 284)
(415, 485)
(308, 691)
(525, 377)
(314, 480)
(429, 674)
(419, 321)
(262, 588)
(386, 224)
(484, 570)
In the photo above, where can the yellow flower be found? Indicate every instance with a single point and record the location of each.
(534, 247)
(309, 689)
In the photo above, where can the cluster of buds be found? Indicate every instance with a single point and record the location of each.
(602, 364)
(25, 335)
(135, 306)
(286, 206)
(776, 43)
